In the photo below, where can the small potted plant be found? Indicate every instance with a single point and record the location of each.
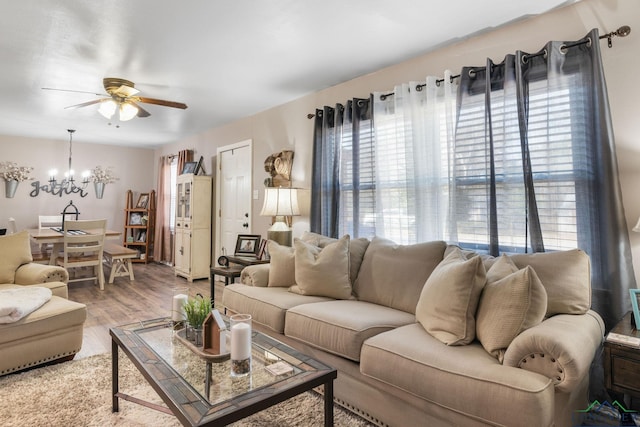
(196, 309)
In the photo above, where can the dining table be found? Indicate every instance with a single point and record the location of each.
(56, 238)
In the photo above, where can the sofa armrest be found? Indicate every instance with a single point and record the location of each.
(33, 273)
(255, 275)
(562, 348)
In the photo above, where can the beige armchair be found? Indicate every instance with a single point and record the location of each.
(50, 333)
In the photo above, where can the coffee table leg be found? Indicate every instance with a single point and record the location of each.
(328, 404)
(114, 376)
(207, 380)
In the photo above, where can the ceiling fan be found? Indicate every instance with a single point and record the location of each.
(123, 97)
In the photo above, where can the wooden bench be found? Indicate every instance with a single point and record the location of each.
(119, 259)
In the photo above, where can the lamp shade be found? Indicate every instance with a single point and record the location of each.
(280, 201)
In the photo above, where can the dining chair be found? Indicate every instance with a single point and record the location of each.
(42, 253)
(83, 244)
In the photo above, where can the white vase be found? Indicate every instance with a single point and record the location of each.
(99, 187)
(10, 187)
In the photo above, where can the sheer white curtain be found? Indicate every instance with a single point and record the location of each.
(414, 134)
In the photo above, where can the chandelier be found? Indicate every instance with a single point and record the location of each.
(67, 185)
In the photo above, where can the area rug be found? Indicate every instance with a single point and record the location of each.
(78, 393)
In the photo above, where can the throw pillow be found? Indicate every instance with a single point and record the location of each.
(565, 275)
(393, 275)
(322, 271)
(281, 266)
(15, 250)
(357, 249)
(449, 299)
(512, 301)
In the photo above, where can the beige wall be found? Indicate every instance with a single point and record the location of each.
(287, 127)
(131, 165)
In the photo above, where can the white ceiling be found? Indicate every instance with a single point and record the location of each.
(224, 59)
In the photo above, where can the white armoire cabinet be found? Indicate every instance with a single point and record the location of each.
(193, 227)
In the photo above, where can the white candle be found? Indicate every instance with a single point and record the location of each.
(177, 311)
(240, 341)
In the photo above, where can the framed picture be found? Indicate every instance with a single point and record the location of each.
(189, 167)
(199, 167)
(248, 244)
(143, 201)
(634, 293)
(142, 236)
(135, 218)
(263, 245)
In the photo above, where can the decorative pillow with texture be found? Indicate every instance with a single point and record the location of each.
(512, 301)
(449, 299)
(15, 250)
(281, 266)
(393, 275)
(322, 271)
(357, 249)
(565, 275)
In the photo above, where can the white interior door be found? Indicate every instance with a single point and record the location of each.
(234, 195)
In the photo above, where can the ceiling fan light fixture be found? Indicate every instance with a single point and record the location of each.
(107, 108)
(127, 111)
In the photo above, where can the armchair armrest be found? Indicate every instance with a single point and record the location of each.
(33, 273)
(255, 275)
(562, 348)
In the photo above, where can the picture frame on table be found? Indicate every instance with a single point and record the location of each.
(248, 244)
(263, 247)
(189, 167)
(635, 294)
(143, 201)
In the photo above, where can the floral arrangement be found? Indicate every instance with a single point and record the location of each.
(10, 171)
(103, 175)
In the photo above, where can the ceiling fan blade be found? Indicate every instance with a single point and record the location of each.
(86, 104)
(71, 90)
(161, 102)
(141, 111)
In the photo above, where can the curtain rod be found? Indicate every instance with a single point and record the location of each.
(623, 31)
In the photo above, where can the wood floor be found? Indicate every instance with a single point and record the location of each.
(149, 296)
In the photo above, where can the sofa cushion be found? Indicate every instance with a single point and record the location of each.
(393, 275)
(449, 299)
(357, 249)
(15, 250)
(322, 271)
(281, 266)
(565, 275)
(267, 306)
(464, 379)
(512, 301)
(340, 327)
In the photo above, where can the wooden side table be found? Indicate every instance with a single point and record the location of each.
(622, 362)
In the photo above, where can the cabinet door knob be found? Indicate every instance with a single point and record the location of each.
(245, 225)
(246, 215)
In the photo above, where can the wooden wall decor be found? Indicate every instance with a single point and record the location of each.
(278, 165)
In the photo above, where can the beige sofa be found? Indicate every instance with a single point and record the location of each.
(429, 334)
(51, 332)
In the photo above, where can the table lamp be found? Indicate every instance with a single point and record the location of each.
(280, 203)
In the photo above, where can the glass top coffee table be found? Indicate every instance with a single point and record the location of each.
(178, 375)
